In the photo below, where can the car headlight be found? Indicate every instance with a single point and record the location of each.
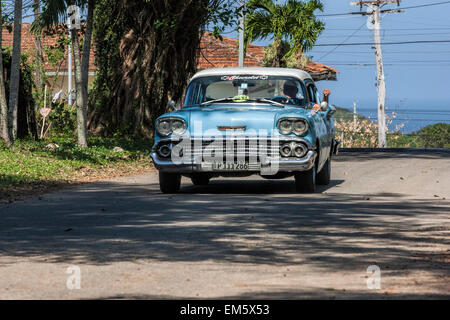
(300, 127)
(289, 125)
(285, 126)
(163, 127)
(167, 126)
(178, 127)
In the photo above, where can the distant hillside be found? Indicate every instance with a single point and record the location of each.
(346, 114)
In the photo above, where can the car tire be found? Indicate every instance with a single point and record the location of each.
(324, 176)
(200, 179)
(169, 182)
(305, 181)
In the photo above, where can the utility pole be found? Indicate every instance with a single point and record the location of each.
(375, 11)
(354, 116)
(69, 69)
(241, 34)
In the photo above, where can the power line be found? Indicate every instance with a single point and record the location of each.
(337, 46)
(426, 23)
(387, 52)
(396, 61)
(391, 29)
(386, 35)
(384, 43)
(425, 5)
(392, 65)
(403, 8)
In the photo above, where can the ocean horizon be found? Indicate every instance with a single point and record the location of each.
(409, 116)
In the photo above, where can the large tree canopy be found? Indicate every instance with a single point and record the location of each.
(146, 50)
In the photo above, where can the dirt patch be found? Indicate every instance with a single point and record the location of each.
(84, 174)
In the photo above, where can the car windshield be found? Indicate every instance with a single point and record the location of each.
(245, 88)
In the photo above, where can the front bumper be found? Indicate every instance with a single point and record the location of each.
(272, 165)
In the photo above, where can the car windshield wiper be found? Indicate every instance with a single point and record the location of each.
(206, 103)
(278, 104)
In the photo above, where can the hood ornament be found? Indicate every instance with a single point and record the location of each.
(232, 128)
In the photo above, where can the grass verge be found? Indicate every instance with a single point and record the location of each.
(35, 167)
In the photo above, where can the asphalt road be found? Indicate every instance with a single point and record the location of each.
(238, 238)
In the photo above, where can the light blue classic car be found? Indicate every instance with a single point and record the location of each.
(237, 122)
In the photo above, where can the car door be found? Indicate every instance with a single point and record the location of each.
(329, 121)
(320, 123)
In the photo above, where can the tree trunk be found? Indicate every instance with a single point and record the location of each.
(278, 54)
(4, 132)
(39, 78)
(15, 71)
(87, 51)
(153, 56)
(81, 104)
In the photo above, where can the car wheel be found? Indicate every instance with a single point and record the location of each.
(324, 176)
(169, 182)
(200, 179)
(305, 181)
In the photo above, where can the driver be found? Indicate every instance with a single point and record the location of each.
(290, 90)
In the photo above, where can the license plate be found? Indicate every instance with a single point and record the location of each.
(230, 166)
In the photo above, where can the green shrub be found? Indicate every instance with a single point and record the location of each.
(62, 119)
(434, 136)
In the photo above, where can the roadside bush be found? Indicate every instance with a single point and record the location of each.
(363, 133)
(400, 140)
(434, 136)
(62, 119)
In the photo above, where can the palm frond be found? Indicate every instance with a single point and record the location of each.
(54, 12)
(258, 26)
(293, 21)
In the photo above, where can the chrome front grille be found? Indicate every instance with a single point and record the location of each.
(232, 148)
(251, 150)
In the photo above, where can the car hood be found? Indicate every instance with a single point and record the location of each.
(260, 119)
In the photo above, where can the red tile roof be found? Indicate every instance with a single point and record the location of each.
(219, 54)
(28, 46)
(214, 53)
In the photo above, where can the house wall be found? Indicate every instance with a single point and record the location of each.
(61, 82)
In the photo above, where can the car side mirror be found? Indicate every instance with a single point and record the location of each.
(172, 105)
(324, 106)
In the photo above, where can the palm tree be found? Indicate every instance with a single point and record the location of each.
(53, 12)
(294, 22)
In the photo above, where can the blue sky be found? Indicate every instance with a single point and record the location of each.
(415, 73)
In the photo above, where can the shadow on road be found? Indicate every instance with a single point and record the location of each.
(251, 187)
(230, 221)
(292, 295)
